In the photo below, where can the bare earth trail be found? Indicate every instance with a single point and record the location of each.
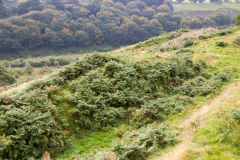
(197, 120)
(21, 87)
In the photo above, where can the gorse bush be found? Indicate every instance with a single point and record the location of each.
(221, 44)
(100, 91)
(104, 96)
(202, 85)
(29, 126)
(137, 144)
(140, 143)
(188, 43)
(5, 77)
(159, 109)
(237, 40)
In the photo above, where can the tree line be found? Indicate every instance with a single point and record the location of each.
(32, 24)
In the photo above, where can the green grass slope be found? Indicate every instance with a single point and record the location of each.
(114, 105)
(206, 9)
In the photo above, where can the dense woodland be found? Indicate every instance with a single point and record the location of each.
(33, 24)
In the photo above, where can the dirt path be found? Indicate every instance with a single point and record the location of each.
(21, 87)
(197, 120)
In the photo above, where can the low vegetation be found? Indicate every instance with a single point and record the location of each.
(5, 77)
(102, 92)
(38, 62)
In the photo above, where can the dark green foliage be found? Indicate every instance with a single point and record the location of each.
(224, 32)
(104, 96)
(202, 85)
(95, 92)
(159, 109)
(140, 144)
(137, 144)
(221, 44)
(29, 127)
(188, 43)
(5, 77)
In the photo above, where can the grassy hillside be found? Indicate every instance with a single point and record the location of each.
(117, 104)
(205, 7)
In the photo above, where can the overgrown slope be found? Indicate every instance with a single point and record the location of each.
(139, 87)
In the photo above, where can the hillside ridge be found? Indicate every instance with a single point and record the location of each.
(117, 105)
(192, 123)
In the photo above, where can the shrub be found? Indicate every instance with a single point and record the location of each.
(184, 51)
(188, 43)
(137, 144)
(100, 91)
(221, 44)
(224, 32)
(140, 143)
(237, 40)
(159, 109)
(202, 85)
(104, 96)
(6, 77)
(203, 37)
(29, 127)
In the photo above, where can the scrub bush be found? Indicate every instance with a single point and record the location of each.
(237, 40)
(6, 77)
(101, 91)
(140, 143)
(29, 127)
(188, 43)
(137, 144)
(202, 85)
(109, 95)
(221, 44)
